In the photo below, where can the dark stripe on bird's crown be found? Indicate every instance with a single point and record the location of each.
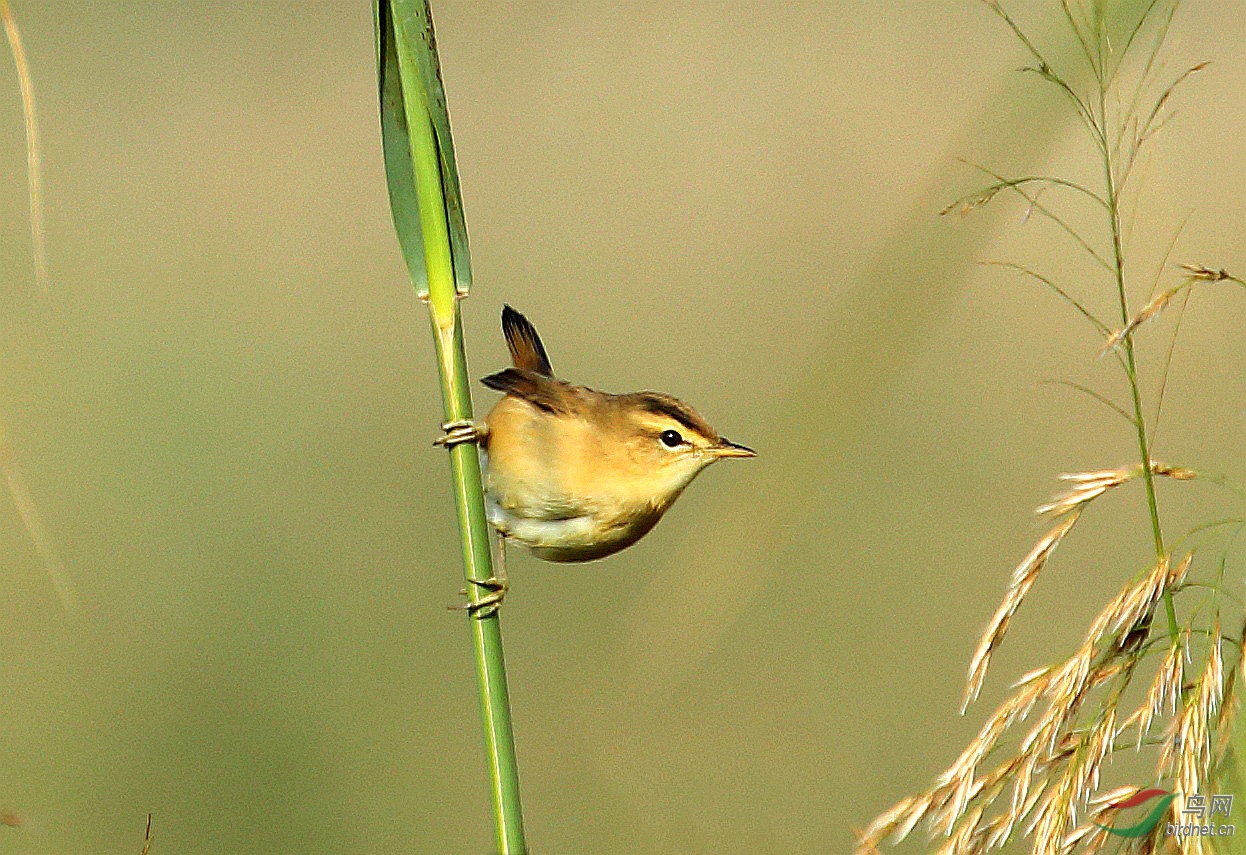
(662, 404)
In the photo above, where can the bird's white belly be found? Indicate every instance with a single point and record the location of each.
(537, 531)
(559, 528)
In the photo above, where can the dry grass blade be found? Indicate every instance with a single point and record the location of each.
(1102, 399)
(1133, 34)
(864, 847)
(1145, 130)
(1194, 275)
(1083, 39)
(40, 536)
(1149, 311)
(1042, 745)
(1022, 579)
(1053, 817)
(1148, 127)
(886, 823)
(1133, 604)
(1187, 745)
(966, 204)
(1207, 274)
(1104, 801)
(34, 157)
(1151, 67)
(1054, 771)
(1034, 205)
(1061, 292)
(1088, 486)
(1097, 746)
(1229, 703)
(1164, 693)
(1042, 789)
(1164, 373)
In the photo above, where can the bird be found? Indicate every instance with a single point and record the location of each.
(575, 474)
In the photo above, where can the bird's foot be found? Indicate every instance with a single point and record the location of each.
(459, 432)
(488, 604)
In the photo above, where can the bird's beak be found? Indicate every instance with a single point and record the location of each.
(727, 448)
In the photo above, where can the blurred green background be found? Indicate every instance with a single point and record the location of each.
(224, 404)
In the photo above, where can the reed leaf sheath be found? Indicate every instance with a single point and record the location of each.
(428, 216)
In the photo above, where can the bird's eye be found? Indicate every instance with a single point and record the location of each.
(671, 438)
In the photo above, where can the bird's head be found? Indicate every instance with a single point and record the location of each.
(666, 444)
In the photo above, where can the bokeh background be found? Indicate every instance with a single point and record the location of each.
(222, 409)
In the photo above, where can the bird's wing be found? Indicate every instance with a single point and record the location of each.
(525, 346)
(545, 393)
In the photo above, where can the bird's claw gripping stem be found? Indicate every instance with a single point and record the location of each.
(461, 431)
(490, 602)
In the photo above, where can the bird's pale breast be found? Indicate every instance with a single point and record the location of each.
(544, 485)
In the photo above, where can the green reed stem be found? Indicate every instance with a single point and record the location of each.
(412, 33)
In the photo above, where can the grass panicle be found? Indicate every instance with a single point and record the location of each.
(1033, 776)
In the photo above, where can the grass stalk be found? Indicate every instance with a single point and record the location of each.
(1131, 366)
(408, 68)
(1034, 770)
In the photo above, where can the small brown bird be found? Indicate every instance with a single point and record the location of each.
(576, 474)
